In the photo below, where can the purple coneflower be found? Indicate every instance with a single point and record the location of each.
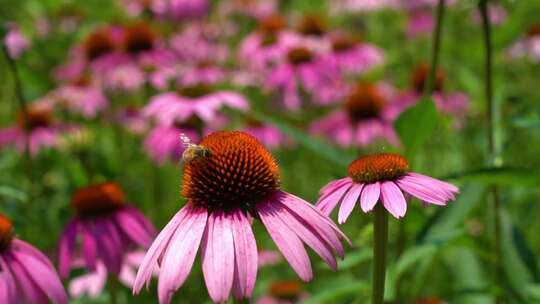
(82, 95)
(382, 177)
(35, 130)
(15, 42)
(529, 46)
(367, 115)
(351, 55)
(105, 227)
(199, 100)
(181, 9)
(26, 275)
(93, 283)
(230, 178)
(268, 135)
(162, 143)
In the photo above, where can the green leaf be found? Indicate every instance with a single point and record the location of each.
(324, 150)
(503, 176)
(416, 124)
(13, 193)
(412, 256)
(355, 258)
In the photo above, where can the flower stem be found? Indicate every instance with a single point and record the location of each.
(435, 50)
(22, 104)
(492, 149)
(112, 287)
(380, 238)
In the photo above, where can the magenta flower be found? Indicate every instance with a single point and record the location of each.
(268, 135)
(105, 226)
(15, 41)
(420, 23)
(132, 120)
(354, 6)
(83, 96)
(303, 69)
(93, 283)
(382, 177)
(230, 178)
(367, 115)
(26, 274)
(529, 46)
(163, 142)
(197, 100)
(197, 44)
(35, 130)
(181, 9)
(351, 55)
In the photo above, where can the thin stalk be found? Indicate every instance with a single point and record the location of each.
(435, 50)
(112, 287)
(380, 239)
(490, 134)
(22, 104)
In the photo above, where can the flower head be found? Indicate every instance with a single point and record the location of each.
(26, 275)
(106, 227)
(234, 180)
(382, 178)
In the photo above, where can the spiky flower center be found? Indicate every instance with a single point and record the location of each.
(98, 43)
(98, 199)
(365, 101)
(138, 37)
(533, 30)
(269, 28)
(344, 43)
(286, 290)
(195, 91)
(420, 75)
(235, 172)
(7, 233)
(299, 55)
(34, 117)
(313, 25)
(378, 168)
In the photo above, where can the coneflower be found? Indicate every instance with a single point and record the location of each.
(26, 275)
(105, 226)
(229, 179)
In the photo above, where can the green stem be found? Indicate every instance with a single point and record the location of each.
(435, 50)
(492, 148)
(112, 287)
(22, 104)
(380, 238)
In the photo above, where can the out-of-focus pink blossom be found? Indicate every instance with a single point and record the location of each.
(15, 41)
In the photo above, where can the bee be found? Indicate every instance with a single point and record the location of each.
(192, 151)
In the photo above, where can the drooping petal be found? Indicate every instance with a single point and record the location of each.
(245, 250)
(180, 253)
(157, 248)
(327, 203)
(133, 228)
(286, 240)
(218, 256)
(306, 233)
(393, 199)
(67, 245)
(31, 291)
(349, 201)
(370, 196)
(7, 288)
(421, 192)
(109, 245)
(89, 246)
(334, 185)
(43, 276)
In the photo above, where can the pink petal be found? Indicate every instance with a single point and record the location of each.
(32, 292)
(67, 245)
(7, 288)
(157, 248)
(370, 196)
(348, 203)
(180, 253)
(89, 246)
(393, 199)
(333, 185)
(245, 250)
(133, 228)
(218, 257)
(327, 203)
(286, 240)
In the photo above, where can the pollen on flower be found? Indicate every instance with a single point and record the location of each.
(314, 25)
(34, 117)
(6, 232)
(420, 75)
(238, 172)
(285, 290)
(299, 55)
(98, 199)
(378, 168)
(138, 37)
(98, 43)
(365, 101)
(195, 91)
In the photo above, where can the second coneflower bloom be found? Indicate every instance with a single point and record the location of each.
(382, 178)
(105, 226)
(229, 179)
